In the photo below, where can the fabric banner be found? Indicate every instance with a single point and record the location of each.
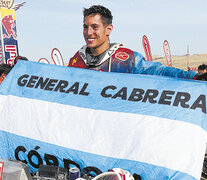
(9, 44)
(146, 47)
(167, 53)
(149, 125)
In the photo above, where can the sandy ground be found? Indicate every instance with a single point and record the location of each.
(182, 61)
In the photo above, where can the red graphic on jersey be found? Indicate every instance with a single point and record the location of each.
(122, 56)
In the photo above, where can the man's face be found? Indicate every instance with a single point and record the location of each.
(202, 71)
(95, 32)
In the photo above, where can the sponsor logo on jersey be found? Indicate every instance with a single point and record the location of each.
(123, 56)
(74, 61)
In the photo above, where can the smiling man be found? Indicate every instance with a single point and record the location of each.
(98, 53)
(101, 55)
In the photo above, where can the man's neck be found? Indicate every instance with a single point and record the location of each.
(99, 50)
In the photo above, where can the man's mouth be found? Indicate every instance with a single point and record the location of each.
(90, 40)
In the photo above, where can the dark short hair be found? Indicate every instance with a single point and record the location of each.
(5, 68)
(105, 13)
(202, 67)
(20, 58)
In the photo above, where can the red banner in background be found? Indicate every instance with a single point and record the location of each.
(43, 60)
(9, 46)
(57, 57)
(167, 53)
(1, 169)
(146, 47)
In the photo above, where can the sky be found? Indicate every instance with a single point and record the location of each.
(46, 24)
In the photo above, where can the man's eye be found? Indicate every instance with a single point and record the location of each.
(95, 27)
(85, 27)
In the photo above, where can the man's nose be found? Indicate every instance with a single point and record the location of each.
(89, 31)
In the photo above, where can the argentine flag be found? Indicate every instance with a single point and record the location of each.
(153, 126)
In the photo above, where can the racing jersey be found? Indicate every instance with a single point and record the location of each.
(120, 59)
(115, 59)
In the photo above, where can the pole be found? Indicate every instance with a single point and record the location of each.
(188, 57)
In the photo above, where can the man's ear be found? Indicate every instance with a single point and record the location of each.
(109, 29)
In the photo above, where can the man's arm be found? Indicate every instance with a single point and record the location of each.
(156, 68)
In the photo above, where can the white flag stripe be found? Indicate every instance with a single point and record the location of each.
(164, 142)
